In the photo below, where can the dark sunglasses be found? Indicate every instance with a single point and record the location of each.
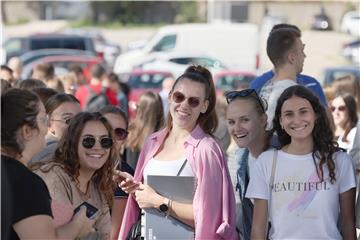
(340, 108)
(232, 95)
(178, 97)
(89, 142)
(120, 134)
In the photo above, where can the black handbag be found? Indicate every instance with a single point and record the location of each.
(135, 231)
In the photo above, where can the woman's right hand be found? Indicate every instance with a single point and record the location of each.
(126, 182)
(84, 224)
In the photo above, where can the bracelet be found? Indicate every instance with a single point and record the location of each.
(169, 205)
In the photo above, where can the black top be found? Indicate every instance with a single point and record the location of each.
(125, 168)
(23, 194)
(131, 157)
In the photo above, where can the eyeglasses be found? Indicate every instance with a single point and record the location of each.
(89, 142)
(120, 134)
(44, 119)
(341, 108)
(232, 95)
(178, 97)
(66, 121)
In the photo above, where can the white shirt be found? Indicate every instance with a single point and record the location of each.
(350, 137)
(302, 207)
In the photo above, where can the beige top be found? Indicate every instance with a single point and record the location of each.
(66, 196)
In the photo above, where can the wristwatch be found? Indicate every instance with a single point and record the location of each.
(164, 207)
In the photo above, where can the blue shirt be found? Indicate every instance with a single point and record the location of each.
(301, 79)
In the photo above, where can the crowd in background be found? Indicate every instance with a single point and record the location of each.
(66, 140)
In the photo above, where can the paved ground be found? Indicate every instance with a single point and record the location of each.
(323, 49)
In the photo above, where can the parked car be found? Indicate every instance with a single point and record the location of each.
(351, 23)
(330, 74)
(19, 45)
(141, 81)
(177, 62)
(226, 41)
(62, 64)
(351, 51)
(321, 22)
(109, 50)
(232, 80)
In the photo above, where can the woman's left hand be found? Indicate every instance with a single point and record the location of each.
(146, 197)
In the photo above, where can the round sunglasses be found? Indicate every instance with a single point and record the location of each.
(232, 95)
(120, 134)
(89, 142)
(178, 97)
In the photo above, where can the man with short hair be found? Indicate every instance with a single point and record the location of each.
(286, 52)
(96, 86)
(301, 79)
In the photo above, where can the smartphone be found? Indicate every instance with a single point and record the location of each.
(90, 209)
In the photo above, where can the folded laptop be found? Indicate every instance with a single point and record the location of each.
(158, 226)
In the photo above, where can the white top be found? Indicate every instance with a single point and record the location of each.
(271, 93)
(167, 168)
(301, 206)
(350, 137)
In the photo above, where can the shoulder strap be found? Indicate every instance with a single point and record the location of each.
(273, 170)
(182, 167)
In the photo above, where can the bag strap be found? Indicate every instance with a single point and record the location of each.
(182, 167)
(271, 184)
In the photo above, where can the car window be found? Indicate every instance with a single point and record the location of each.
(13, 45)
(146, 80)
(183, 61)
(233, 82)
(206, 62)
(76, 43)
(166, 43)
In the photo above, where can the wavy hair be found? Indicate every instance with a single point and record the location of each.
(208, 121)
(323, 135)
(66, 155)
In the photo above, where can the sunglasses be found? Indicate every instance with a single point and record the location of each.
(232, 95)
(89, 142)
(178, 97)
(341, 108)
(120, 134)
(66, 121)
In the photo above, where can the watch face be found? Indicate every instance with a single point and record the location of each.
(163, 207)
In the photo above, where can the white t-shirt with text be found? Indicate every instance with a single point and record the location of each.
(302, 207)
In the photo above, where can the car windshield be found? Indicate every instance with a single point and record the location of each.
(76, 43)
(146, 80)
(232, 82)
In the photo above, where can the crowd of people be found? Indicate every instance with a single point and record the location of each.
(74, 166)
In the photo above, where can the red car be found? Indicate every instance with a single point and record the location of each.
(143, 80)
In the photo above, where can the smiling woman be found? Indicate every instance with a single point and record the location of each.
(81, 171)
(309, 181)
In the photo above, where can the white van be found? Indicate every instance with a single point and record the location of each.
(234, 44)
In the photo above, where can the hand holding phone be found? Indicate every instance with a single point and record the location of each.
(126, 182)
(90, 210)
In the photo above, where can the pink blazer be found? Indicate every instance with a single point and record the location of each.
(214, 200)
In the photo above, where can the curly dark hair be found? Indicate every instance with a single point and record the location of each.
(67, 155)
(323, 136)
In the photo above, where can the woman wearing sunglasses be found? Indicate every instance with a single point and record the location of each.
(149, 119)
(187, 139)
(81, 171)
(308, 185)
(60, 108)
(344, 112)
(25, 200)
(119, 122)
(246, 121)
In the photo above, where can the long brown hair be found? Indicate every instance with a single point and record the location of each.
(322, 134)
(66, 155)
(208, 121)
(149, 118)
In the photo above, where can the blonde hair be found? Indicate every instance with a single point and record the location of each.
(56, 84)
